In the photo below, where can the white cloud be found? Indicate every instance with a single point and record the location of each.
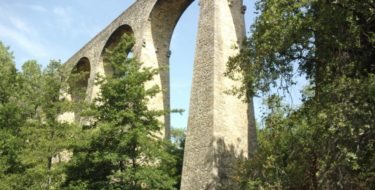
(33, 48)
(64, 17)
(21, 25)
(19, 33)
(37, 8)
(60, 11)
(67, 22)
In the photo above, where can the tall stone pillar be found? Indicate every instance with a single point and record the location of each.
(218, 122)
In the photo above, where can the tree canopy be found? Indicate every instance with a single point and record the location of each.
(327, 142)
(119, 148)
(124, 150)
(31, 136)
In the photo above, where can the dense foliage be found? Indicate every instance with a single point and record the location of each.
(124, 150)
(10, 119)
(119, 147)
(31, 136)
(328, 142)
(325, 143)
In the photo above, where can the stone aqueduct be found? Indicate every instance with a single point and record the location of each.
(221, 127)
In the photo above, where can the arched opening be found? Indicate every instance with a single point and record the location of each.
(181, 64)
(164, 18)
(112, 42)
(79, 79)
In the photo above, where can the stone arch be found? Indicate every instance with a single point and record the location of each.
(163, 19)
(79, 80)
(112, 42)
(216, 119)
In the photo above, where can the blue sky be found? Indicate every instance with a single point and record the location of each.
(56, 29)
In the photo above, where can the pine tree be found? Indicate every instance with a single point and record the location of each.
(11, 119)
(32, 138)
(45, 139)
(125, 150)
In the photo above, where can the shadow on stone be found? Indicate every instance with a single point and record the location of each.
(225, 159)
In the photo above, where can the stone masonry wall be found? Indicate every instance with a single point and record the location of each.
(218, 123)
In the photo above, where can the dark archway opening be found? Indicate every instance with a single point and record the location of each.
(112, 42)
(79, 79)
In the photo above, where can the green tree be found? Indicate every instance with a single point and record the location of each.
(8, 75)
(327, 142)
(11, 119)
(177, 149)
(45, 138)
(124, 150)
(31, 136)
